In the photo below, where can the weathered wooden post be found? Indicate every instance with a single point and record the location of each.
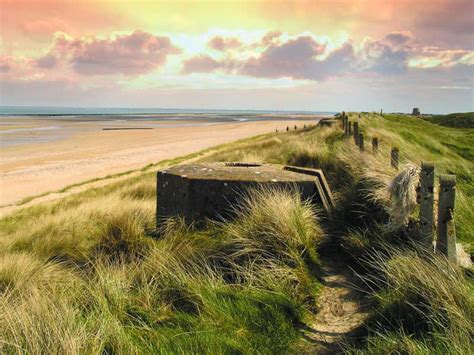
(446, 241)
(361, 141)
(427, 176)
(343, 118)
(296, 128)
(356, 132)
(375, 145)
(287, 128)
(394, 157)
(349, 128)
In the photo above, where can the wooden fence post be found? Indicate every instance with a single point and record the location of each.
(394, 157)
(427, 203)
(446, 241)
(361, 141)
(375, 145)
(349, 130)
(356, 132)
(343, 118)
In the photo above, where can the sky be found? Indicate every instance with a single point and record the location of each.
(317, 55)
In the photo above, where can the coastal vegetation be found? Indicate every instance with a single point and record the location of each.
(89, 273)
(460, 119)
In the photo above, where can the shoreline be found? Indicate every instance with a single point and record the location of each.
(29, 170)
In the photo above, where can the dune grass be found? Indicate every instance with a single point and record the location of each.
(89, 278)
(90, 274)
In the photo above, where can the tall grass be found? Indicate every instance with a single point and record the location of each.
(99, 283)
(423, 303)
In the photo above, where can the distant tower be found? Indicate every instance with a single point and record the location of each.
(416, 112)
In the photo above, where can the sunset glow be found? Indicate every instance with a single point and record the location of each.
(303, 55)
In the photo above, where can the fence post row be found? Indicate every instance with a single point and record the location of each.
(394, 157)
(446, 241)
(446, 234)
(375, 145)
(361, 141)
(427, 176)
(356, 132)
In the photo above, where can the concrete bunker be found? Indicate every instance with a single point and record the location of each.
(200, 191)
(328, 122)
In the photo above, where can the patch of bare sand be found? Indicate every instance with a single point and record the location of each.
(342, 310)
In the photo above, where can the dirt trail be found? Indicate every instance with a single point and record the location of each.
(342, 308)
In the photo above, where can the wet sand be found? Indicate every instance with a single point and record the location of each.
(35, 168)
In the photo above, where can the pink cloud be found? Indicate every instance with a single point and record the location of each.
(48, 61)
(388, 55)
(135, 54)
(17, 68)
(400, 37)
(200, 64)
(5, 65)
(297, 59)
(221, 44)
(270, 37)
(304, 57)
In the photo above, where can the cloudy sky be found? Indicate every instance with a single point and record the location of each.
(282, 55)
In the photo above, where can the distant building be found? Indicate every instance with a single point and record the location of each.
(416, 112)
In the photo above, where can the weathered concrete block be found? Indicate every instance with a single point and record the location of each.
(200, 191)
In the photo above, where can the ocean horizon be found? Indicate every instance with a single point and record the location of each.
(127, 111)
(35, 124)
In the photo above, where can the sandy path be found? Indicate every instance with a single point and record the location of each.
(343, 308)
(34, 169)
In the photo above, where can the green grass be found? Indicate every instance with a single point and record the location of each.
(457, 120)
(89, 278)
(422, 304)
(89, 273)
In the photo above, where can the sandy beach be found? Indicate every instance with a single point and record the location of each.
(35, 168)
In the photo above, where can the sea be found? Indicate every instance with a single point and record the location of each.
(33, 124)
